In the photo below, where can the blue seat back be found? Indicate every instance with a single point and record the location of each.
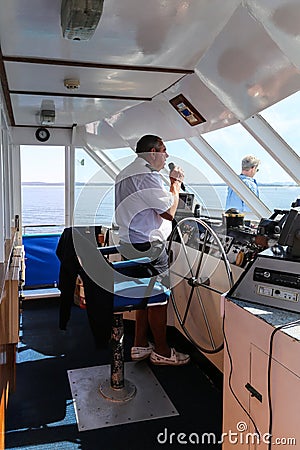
(42, 264)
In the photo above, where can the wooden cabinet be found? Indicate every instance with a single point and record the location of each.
(260, 385)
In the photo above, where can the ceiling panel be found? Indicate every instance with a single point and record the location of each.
(169, 33)
(244, 54)
(250, 72)
(68, 110)
(281, 20)
(49, 78)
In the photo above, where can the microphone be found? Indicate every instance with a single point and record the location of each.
(171, 167)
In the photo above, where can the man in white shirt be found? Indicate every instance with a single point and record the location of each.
(144, 211)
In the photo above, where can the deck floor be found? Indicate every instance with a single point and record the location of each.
(41, 412)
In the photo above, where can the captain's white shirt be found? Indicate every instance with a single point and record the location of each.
(140, 198)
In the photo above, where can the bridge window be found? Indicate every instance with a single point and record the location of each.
(94, 190)
(284, 118)
(277, 189)
(43, 200)
(200, 178)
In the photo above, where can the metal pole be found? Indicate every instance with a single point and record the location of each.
(117, 361)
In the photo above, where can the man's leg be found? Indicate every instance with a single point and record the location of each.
(154, 316)
(157, 317)
(141, 328)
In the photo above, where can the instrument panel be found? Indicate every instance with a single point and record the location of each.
(240, 245)
(270, 280)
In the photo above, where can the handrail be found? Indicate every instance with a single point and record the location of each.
(24, 227)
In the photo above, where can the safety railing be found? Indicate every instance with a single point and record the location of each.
(42, 228)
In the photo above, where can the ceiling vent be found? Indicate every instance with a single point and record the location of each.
(79, 18)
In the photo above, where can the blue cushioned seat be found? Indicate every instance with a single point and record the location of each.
(136, 293)
(130, 294)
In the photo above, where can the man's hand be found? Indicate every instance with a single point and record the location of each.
(176, 178)
(176, 174)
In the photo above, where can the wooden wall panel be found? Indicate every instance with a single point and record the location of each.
(9, 326)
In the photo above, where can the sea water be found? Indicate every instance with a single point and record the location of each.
(44, 204)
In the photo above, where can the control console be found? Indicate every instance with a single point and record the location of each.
(271, 279)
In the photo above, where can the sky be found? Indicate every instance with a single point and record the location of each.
(42, 163)
(46, 164)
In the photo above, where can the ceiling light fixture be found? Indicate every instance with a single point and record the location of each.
(79, 18)
(47, 112)
(47, 117)
(72, 83)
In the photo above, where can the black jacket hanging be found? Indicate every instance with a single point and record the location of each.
(78, 255)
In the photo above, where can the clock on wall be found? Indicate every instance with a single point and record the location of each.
(42, 134)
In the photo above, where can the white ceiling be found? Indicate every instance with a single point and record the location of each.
(230, 59)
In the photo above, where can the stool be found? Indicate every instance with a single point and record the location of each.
(148, 293)
(104, 401)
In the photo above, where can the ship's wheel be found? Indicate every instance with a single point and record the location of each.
(199, 274)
